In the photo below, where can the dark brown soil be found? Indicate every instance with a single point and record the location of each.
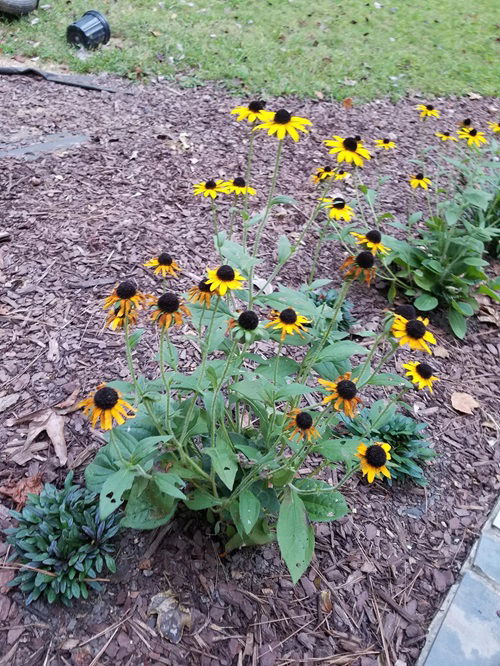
(82, 219)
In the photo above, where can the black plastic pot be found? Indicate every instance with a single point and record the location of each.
(89, 31)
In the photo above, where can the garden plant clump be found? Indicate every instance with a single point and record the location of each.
(61, 544)
(277, 374)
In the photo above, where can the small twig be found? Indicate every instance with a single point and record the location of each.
(104, 648)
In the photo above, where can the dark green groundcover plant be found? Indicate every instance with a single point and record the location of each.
(409, 447)
(61, 543)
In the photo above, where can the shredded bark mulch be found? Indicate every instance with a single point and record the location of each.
(81, 219)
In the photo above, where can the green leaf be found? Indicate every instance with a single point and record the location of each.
(464, 308)
(135, 337)
(458, 323)
(283, 199)
(147, 507)
(249, 510)
(168, 482)
(426, 302)
(224, 461)
(284, 249)
(388, 379)
(325, 504)
(340, 351)
(200, 500)
(338, 450)
(295, 535)
(112, 490)
(291, 390)
(391, 294)
(281, 367)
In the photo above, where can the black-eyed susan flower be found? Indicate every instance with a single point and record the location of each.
(169, 310)
(466, 123)
(253, 112)
(288, 321)
(494, 127)
(419, 180)
(164, 265)
(338, 209)
(473, 137)
(385, 144)
(116, 320)
(127, 297)
(373, 241)
(340, 174)
(106, 405)
(421, 374)
(238, 186)
(282, 123)
(350, 149)
(361, 265)
(406, 310)
(301, 424)
(223, 278)
(344, 392)
(201, 293)
(323, 173)
(246, 328)
(373, 460)
(428, 111)
(413, 332)
(210, 188)
(446, 136)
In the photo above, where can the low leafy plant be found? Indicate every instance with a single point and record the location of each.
(441, 260)
(410, 449)
(61, 544)
(329, 297)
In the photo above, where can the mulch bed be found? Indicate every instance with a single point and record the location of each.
(81, 220)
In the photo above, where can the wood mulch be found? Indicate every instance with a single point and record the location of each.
(83, 218)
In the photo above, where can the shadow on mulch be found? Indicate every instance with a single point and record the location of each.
(82, 219)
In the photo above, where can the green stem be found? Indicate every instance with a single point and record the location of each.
(216, 225)
(317, 250)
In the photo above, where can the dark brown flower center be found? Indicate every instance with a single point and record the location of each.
(126, 290)
(446, 134)
(467, 122)
(248, 320)
(105, 398)
(282, 117)
(169, 302)
(338, 203)
(327, 169)
(239, 182)
(210, 185)
(288, 316)
(472, 132)
(350, 144)
(419, 176)
(204, 285)
(303, 420)
(385, 141)
(415, 329)
(406, 311)
(365, 259)
(374, 236)
(424, 370)
(346, 389)
(429, 107)
(376, 456)
(225, 273)
(164, 259)
(257, 105)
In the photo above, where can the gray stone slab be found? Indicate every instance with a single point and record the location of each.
(488, 555)
(496, 520)
(51, 143)
(470, 632)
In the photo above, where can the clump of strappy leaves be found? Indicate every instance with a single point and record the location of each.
(62, 544)
(329, 296)
(410, 449)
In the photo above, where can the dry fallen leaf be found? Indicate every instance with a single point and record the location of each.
(326, 601)
(463, 402)
(20, 489)
(440, 352)
(347, 103)
(171, 616)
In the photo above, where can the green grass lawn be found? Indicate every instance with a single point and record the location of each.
(337, 48)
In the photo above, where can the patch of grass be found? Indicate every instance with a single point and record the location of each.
(335, 48)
